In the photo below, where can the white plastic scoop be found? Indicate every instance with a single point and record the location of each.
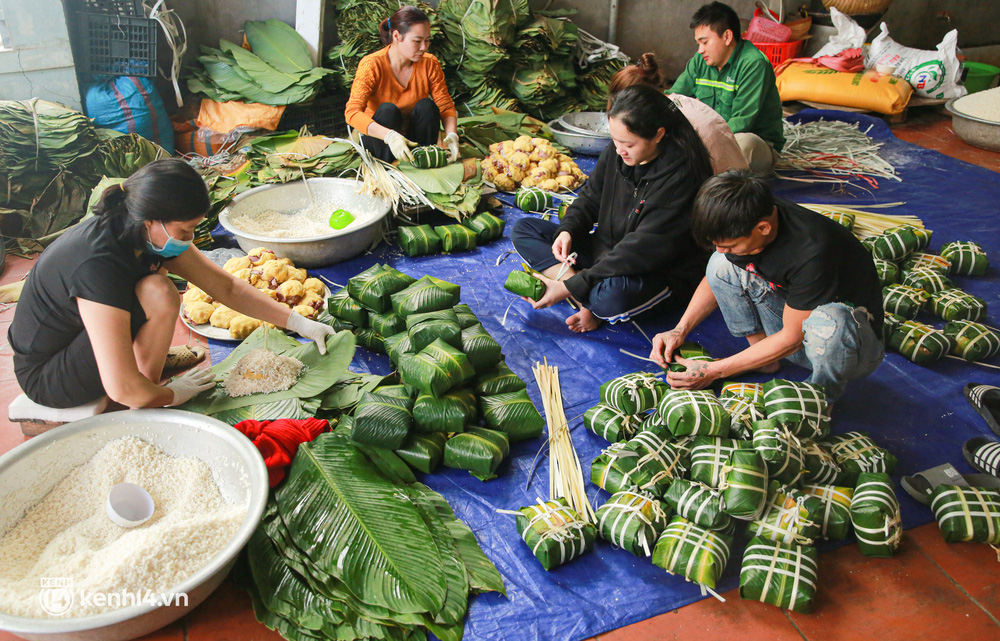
(129, 505)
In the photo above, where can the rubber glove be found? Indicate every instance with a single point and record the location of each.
(399, 146)
(190, 385)
(310, 329)
(453, 153)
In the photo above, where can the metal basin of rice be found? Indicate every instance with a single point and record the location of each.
(312, 251)
(29, 471)
(977, 132)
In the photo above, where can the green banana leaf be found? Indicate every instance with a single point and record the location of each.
(446, 414)
(632, 520)
(781, 451)
(695, 553)
(800, 406)
(374, 286)
(481, 348)
(387, 324)
(464, 315)
(698, 503)
(341, 305)
(279, 44)
(779, 574)
(442, 180)
(397, 345)
(418, 241)
(479, 450)
(875, 515)
(382, 421)
(346, 392)
(269, 78)
(856, 452)
(554, 532)
(425, 295)
(967, 258)
(295, 408)
(499, 380)
(436, 369)
(610, 424)
(429, 330)
(967, 513)
(487, 227)
(709, 455)
(693, 413)
(423, 452)
(633, 393)
(455, 238)
(318, 374)
(513, 414)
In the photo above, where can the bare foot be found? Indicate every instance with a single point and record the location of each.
(583, 321)
(770, 368)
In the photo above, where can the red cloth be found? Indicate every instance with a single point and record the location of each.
(278, 441)
(847, 60)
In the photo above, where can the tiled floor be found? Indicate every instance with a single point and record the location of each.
(930, 590)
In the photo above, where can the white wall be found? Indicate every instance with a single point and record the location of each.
(40, 63)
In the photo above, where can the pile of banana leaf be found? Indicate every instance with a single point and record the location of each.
(277, 71)
(352, 547)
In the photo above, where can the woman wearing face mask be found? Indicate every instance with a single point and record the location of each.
(98, 311)
(639, 196)
(399, 98)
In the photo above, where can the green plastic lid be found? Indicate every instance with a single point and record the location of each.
(341, 218)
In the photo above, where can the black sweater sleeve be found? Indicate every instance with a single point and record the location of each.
(584, 211)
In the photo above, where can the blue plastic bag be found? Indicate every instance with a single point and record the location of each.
(130, 105)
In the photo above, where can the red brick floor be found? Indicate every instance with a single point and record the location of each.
(930, 590)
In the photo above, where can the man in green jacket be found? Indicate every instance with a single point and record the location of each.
(734, 78)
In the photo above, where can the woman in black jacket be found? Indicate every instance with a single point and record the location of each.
(639, 196)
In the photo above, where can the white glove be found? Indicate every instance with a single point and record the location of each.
(190, 385)
(310, 329)
(453, 153)
(399, 145)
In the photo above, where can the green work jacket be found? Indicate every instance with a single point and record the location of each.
(743, 92)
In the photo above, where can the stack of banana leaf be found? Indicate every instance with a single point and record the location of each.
(352, 547)
(51, 158)
(277, 71)
(357, 30)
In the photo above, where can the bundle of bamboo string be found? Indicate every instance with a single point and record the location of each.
(565, 473)
(832, 152)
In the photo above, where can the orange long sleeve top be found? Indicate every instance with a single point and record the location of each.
(374, 83)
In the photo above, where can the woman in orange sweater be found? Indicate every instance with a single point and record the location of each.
(399, 98)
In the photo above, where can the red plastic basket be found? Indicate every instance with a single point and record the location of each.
(778, 52)
(763, 29)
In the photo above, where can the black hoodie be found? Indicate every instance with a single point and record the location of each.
(643, 217)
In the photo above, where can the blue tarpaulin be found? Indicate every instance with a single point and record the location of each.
(918, 413)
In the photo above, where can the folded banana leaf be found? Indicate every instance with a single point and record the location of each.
(924, 237)
(487, 227)
(395, 391)
(341, 305)
(744, 485)
(709, 454)
(789, 516)
(903, 300)
(370, 339)
(875, 515)
(633, 393)
(387, 324)
(464, 315)
(835, 518)
(554, 532)
(450, 413)
(743, 413)
(429, 157)
(632, 520)
(967, 513)
(752, 391)
(822, 468)
(610, 424)
(426, 295)
(693, 413)
(779, 574)
(483, 351)
(802, 407)
(397, 345)
(967, 258)
(890, 323)
(896, 244)
(972, 341)
(478, 450)
(382, 421)
(888, 272)
(456, 238)
(697, 503)
(690, 351)
(522, 283)
(436, 369)
(954, 304)
(780, 449)
(533, 199)
(856, 452)
(413, 320)
(418, 241)
(374, 286)
(429, 330)
(423, 452)
(499, 380)
(695, 553)
(920, 343)
(928, 279)
(923, 260)
(513, 414)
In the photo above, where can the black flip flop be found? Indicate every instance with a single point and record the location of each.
(983, 453)
(922, 484)
(986, 400)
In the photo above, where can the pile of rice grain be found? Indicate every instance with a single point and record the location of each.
(262, 371)
(982, 104)
(314, 220)
(69, 535)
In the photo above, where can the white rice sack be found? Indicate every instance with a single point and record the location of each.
(849, 35)
(933, 74)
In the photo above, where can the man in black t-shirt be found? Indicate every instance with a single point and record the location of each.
(796, 284)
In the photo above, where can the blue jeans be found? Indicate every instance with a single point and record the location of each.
(840, 344)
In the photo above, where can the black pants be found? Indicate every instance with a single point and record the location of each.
(69, 377)
(614, 299)
(423, 126)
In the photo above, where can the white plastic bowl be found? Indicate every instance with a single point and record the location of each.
(29, 471)
(312, 251)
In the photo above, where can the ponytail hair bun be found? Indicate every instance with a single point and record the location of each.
(402, 21)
